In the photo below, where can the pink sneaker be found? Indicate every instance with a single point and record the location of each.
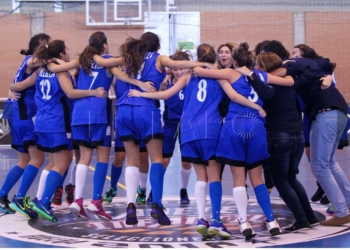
(77, 208)
(96, 207)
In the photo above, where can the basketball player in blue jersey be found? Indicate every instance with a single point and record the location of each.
(52, 123)
(173, 108)
(20, 114)
(139, 119)
(119, 157)
(91, 123)
(243, 139)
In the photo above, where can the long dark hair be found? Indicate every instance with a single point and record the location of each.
(96, 46)
(34, 43)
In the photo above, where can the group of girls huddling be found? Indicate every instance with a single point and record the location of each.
(57, 105)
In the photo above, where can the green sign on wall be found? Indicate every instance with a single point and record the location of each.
(185, 45)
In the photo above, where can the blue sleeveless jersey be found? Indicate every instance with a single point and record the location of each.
(173, 106)
(24, 108)
(53, 106)
(93, 110)
(201, 118)
(149, 72)
(243, 87)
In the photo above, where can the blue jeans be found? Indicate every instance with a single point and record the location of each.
(286, 151)
(324, 137)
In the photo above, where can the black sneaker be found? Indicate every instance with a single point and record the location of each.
(319, 193)
(314, 222)
(69, 189)
(157, 213)
(298, 226)
(184, 196)
(324, 200)
(4, 206)
(131, 216)
(57, 197)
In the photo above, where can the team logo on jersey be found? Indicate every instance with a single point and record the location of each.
(246, 125)
(75, 232)
(4, 125)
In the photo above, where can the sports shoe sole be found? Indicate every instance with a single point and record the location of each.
(218, 232)
(44, 215)
(131, 218)
(17, 209)
(248, 234)
(275, 231)
(76, 210)
(203, 230)
(161, 221)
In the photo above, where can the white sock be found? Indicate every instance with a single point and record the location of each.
(143, 180)
(72, 170)
(42, 181)
(241, 200)
(200, 193)
(185, 176)
(131, 182)
(80, 178)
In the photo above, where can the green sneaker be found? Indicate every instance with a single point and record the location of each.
(109, 195)
(141, 196)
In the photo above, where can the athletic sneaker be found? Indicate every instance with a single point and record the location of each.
(4, 206)
(57, 197)
(184, 196)
(21, 205)
(247, 230)
(77, 208)
(330, 210)
(45, 212)
(96, 207)
(324, 200)
(318, 194)
(131, 216)
(141, 196)
(273, 227)
(314, 222)
(34, 202)
(109, 195)
(69, 189)
(150, 198)
(217, 228)
(202, 228)
(157, 212)
(298, 226)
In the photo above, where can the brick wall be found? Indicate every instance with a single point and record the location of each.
(326, 32)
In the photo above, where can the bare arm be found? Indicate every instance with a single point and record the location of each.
(30, 81)
(225, 74)
(67, 87)
(165, 61)
(108, 62)
(163, 95)
(13, 95)
(53, 67)
(282, 81)
(120, 75)
(238, 98)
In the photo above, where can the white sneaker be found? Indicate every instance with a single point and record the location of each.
(246, 230)
(273, 227)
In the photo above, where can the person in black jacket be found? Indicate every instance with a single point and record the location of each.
(327, 109)
(285, 141)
